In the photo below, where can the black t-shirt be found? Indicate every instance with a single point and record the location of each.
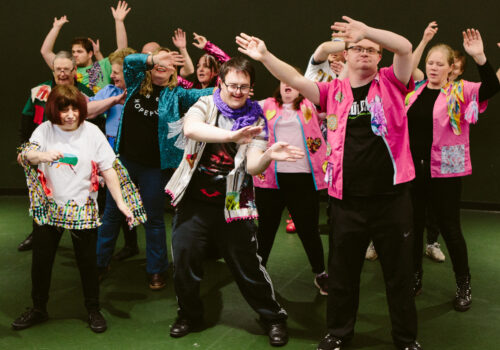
(420, 124)
(139, 139)
(367, 166)
(208, 183)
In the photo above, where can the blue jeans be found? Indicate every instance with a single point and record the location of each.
(151, 183)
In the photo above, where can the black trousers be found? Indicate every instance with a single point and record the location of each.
(45, 242)
(298, 194)
(196, 227)
(387, 221)
(442, 195)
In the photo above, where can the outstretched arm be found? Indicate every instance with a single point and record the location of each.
(179, 40)
(324, 49)
(258, 160)
(256, 49)
(429, 33)
(47, 49)
(119, 13)
(354, 31)
(210, 48)
(95, 108)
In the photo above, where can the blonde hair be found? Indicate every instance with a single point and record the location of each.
(119, 55)
(147, 83)
(447, 50)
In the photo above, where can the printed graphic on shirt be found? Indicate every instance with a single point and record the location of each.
(69, 160)
(143, 110)
(359, 109)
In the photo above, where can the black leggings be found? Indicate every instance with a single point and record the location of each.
(442, 195)
(45, 242)
(296, 192)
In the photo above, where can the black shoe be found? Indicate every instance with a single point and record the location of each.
(331, 342)
(417, 282)
(27, 244)
(97, 322)
(463, 296)
(412, 346)
(321, 281)
(278, 334)
(182, 326)
(29, 318)
(126, 252)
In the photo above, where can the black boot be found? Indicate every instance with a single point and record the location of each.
(463, 297)
(27, 244)
(417, 282)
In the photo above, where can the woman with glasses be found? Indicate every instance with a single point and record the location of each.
(440, 112)
(294, 185)
(150, 145)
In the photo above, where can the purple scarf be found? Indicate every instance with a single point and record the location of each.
(244, 116)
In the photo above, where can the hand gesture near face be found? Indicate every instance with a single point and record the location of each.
(201, 41)
(430, 31)
(179, 39)
(169, 59)
(251, 46)
(58, 23)
(121, 11)
(350, 30)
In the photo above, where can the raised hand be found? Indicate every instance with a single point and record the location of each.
(282, 151)
(473, 45)
(246, 134)
(168, 59)
(430, 31)
(350, 30)
(179, 39)
(251, 46)
(201, 41)
(121, 11)
(58, 23)
(96, 46)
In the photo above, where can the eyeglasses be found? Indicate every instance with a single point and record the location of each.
(235, 87)
(360, 49)
(63, 70)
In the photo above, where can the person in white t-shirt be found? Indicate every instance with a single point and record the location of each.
(70, 153)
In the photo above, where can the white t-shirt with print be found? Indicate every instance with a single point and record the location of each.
(69, 178)
(320, 72)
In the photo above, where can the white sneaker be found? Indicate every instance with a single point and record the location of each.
(434, 252)
(371, 253)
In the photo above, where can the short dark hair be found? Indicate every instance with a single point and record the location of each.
(83, 42)
(459, 56)
(61, 97)
(238, 64)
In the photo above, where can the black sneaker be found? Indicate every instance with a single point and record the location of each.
(29, 318)
(321, 281)
(412, 346)
(463, 296)
(97, 322)
(331, 342)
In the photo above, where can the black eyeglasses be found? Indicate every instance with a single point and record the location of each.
(360, 49)
(235, 87)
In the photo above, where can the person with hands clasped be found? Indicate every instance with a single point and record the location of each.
(70, 154)
(368, 171)
(214, 199)
(440, 112)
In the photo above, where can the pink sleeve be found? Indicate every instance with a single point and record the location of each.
(215, 51)
(323, 88)
(471, 94)
(186, 84)
(388, 73)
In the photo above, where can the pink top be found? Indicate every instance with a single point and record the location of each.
(301, 128)
(388, 118)
(456, 107)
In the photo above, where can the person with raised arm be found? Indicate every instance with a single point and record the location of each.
(150, 144)
(440, 112)
(368, 173)
(179, 41)
(94, 75)
(214, 199)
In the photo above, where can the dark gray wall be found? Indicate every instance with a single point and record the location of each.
(291, 29)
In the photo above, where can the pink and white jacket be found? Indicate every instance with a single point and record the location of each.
(456, 107)
(311, 135)
(386, 98)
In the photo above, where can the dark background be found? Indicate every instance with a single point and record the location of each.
(291, 30)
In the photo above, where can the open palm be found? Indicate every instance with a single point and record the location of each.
(251, 46)
(473, 44)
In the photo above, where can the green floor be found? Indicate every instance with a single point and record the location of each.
(139, 318)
